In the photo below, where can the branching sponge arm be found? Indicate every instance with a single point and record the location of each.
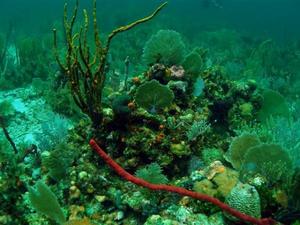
(84, 69)
(131, 25)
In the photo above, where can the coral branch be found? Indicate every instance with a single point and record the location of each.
(161, 187)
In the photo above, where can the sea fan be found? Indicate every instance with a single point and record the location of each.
(165, 47)
(153, 96)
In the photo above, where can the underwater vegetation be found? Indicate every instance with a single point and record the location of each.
(200, 129)
(91, 67)
(23, 59)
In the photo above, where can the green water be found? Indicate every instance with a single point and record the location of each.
(197, 94)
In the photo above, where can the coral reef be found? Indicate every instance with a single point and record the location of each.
(184, 115)
(127, 176)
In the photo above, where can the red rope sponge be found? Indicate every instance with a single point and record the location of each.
(182, 191)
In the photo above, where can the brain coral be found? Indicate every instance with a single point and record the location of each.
(165, 47)
(244, 198)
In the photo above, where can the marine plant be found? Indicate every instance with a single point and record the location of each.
(264, 60)
(273, 104)
(270, 161)
(4, 41)
(223, 45)
(22, 60)
(153, 96)
(152, 173)
(294, 191)
(5, 155)
(196, 129)
(59, 160)
(34, 59)
(166, 47)
(238, 148)
(252, 157)
(13, 177)
(120, 106)
(61, 101)
(86, 70)
(6, 111)
(209, 155)
(3, 49)
(287, 134)
(44, 201)
(193, 63)
(53, 131)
